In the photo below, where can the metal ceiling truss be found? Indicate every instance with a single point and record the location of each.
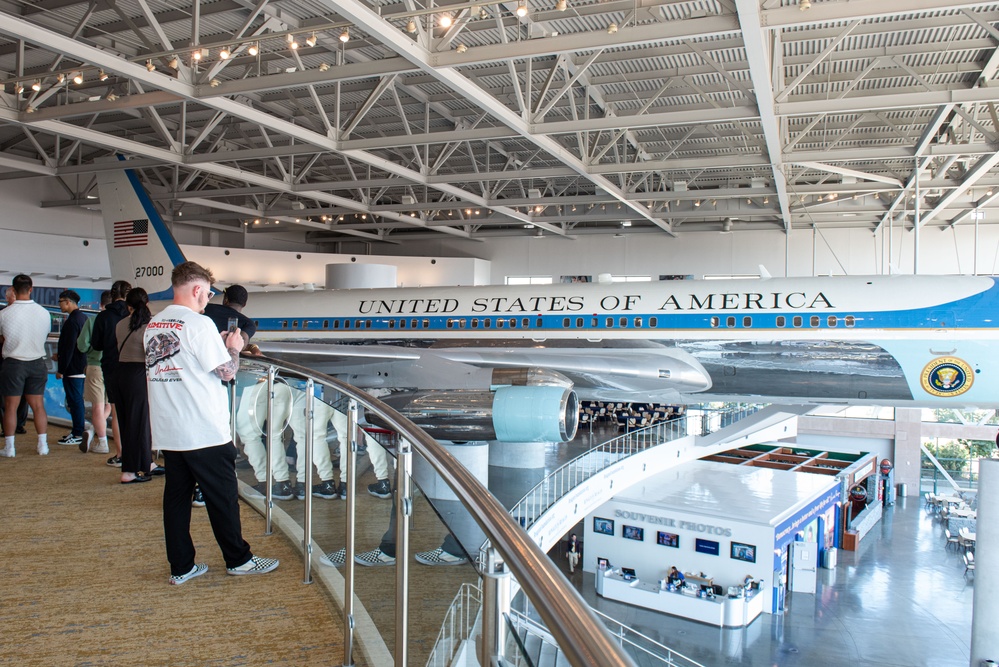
(637, 116)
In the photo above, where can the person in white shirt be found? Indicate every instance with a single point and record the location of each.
(189, 412)
(24, 326)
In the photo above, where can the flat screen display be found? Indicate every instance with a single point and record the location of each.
(628, 572)
(746, 552)
(603, 563)
(633, 533)
(603, 526)
(706, 547)
(668, 539)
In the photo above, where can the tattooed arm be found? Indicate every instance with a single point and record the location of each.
(234, 343)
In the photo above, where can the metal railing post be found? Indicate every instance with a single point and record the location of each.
(495, 609)
(232, 410)
(269, 496)
(349, 533)
(404, 513)
(310, 388)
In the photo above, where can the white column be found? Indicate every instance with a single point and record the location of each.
(985, 613)
(517, 454)
(473, 455)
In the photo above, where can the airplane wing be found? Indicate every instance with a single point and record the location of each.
(644, 373)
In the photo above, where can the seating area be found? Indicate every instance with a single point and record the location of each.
(627, 416)
(959, 520)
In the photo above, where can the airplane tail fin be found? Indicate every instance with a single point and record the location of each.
(140, 247)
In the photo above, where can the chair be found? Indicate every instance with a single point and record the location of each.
(951, 539)
(969, 564)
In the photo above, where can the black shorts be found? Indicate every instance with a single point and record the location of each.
(23, 378)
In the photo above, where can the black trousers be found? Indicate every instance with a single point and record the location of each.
(133, 417)
(214, 470)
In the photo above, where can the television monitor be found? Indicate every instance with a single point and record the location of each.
(706, 547)
(603, 526)
(633, 533)
(668, 539)
(746, 552)
(627, 573)
(602, 563)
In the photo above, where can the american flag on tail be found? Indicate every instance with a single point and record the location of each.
(131, 233)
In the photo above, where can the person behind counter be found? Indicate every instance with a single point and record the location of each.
(674, 577)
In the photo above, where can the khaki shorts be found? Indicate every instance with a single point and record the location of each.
(93, 386)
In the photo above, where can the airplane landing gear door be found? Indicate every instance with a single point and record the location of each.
(804, 561)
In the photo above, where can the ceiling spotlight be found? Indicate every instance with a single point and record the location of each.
(411, 26)
(612, 28)
(174, 63)
(214, 83)
(561, 5)
(78, 77)
(323, 67)
(293, 44)
(310, 41)
(149, 66)
(522, 10)
(196, 55)
(253, 49)
(37, 85)
(103, 76)
(111, 97)
(766, 200)
(988, 193)
(697, 202)
(18, 88)
(345, 36)
(483, 14)
(461, 48)
(445, 21)
(805, 5)
(224, 53)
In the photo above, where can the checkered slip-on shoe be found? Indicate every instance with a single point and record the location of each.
(196, 571)
(255, 565)
(334, 558)
(439, 557)
(374, 558)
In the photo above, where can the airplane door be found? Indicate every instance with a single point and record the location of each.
(804, 561)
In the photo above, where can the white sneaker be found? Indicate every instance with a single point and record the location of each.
(43, 449)
(99, 448)
(256, 565)
(439, 557)
(8, 451)
(196, 571)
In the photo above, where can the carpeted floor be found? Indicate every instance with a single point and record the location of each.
(84, 578)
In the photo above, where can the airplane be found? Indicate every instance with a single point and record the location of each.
(511, 363)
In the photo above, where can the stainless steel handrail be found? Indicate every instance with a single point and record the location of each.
(582, 637)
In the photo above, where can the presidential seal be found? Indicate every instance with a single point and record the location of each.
(947, 376)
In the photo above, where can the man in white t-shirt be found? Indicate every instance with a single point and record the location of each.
(189, 413)
(24, 326)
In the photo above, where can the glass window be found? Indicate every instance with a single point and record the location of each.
(781, 322)
(730, 321)
(638, 322)
(813, 321)
(653, 322)
(326, 324)
(579, 322)
(610, 323)
(747, 322)
(796, 321)
(565, 322)
(831, 321)
(623, 321)
(850, 321)
(715, 322)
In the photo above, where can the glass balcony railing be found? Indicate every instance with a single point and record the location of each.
(370, 550)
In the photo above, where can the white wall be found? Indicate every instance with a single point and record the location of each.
(652, 561)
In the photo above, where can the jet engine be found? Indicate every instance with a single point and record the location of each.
(509, 414)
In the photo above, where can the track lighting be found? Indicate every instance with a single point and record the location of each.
(445, 21)
(461, 48)
(150, 66)
(310, 41)
(18, 88)
(292, 43)
(174, 63)
(253, 49)
(111, 97)
(196, 55)
(37, 85)
(323, 67)
(60, 77)
(612, 28)
(29, 110)
(522, 9)
(78, 77)
(483, 14)
(224, 53)
(697, 202)
(561, 5)
(411, 26)
(345, 36)
(102, 75)
(805, 5)
(214, 83)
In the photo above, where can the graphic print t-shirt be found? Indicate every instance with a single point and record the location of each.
(188, 406)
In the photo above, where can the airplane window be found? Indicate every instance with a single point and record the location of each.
(796, 320)
(391, 324)
(595, 323)
(461, 323)
(610, 322)
(450, 323)
(540, 323)
(813, 321)
(284, 324)
(326, 324)
(850, 321)
(747, 322)
(256, 323)
(426, 324)
(638, 322)
(367, 324)
(402, 324)
(294, 324)
(526, 323)
(513, 322)
(475, 323)
(500, 322)
(653, 322)
(831, 321)
(623, 322)
(305, 324)
(346, 324)
(781, 322)
(565, 322)
(730, 321)
(487, 323)
(336, 324)
(579, 322)
(714, 322)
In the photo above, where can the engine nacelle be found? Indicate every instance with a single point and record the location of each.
(509, 414)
